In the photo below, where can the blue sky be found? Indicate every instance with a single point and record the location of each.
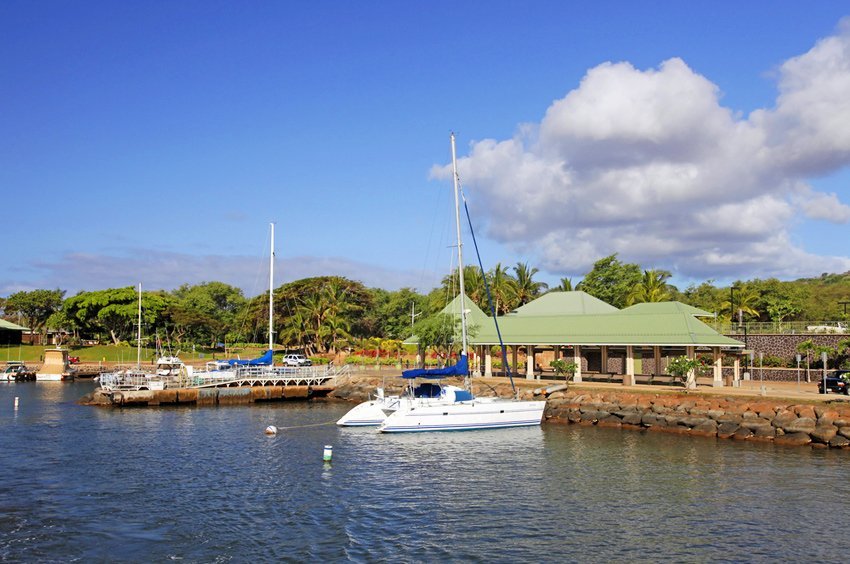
(153, 142)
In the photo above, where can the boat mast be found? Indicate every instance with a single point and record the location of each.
(139, 332)
(271, 293)
(459, 252)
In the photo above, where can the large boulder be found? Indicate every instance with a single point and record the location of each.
(800, 425)
(707, 429)
(793, 439)
(824, 433)
(839, 442)
(727, 429)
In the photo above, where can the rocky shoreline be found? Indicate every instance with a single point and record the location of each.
(821, 425)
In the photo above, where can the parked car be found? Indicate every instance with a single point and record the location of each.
(74, 359)
(296, 360)
(838, 382)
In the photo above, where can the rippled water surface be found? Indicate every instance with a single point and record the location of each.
(205, 484)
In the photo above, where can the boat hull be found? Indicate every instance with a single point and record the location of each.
(366, 414)
(53, 377)
(478, 414)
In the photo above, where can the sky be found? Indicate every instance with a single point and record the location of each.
(154, 142)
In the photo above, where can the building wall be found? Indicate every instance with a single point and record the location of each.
(8, 337)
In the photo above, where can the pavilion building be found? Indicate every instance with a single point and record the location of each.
(629, 345)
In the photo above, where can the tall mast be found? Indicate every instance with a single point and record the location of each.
(459, 251)
(139, 332)
(271, 292)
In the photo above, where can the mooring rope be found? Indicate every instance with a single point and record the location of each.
(331, 422)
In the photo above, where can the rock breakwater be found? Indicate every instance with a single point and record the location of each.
(754, 419)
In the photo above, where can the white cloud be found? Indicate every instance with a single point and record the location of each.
(650, 165)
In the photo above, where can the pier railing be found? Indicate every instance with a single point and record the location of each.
(779, 327)
(244, 376)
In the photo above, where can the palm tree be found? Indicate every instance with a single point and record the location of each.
(314, 309)
(652, 288)
(566, 285)
(473, 282)
(807, 347)
(293, 332)
(526, 288)
(745, 301)
(502, 289)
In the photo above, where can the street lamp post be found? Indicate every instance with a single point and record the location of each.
(732, 289)
(798, 372)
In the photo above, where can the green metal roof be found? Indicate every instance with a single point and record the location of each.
(663, 329)
(662, 324)
(475, 316)
(564, 303)
(8, 325)
(666, 307)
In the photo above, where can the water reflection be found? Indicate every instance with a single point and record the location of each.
(207, 484)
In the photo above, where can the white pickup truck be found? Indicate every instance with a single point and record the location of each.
(296, 360)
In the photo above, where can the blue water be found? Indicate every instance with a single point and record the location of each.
(205, 484)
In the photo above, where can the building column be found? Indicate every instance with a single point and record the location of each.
(603, 353)
(656, 356)
(718, 368)
(736, 371)
(488, 362)
(513, 359)
(529, 362)
(629, 376)
(691, 381)
(556, 352)
(577, 361)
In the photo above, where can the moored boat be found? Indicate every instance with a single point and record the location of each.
(465, 412)
(56, 367)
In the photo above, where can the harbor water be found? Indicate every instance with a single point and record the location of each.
(207, 484)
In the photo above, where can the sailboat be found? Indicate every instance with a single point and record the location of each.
(460, 410)
(222, 370)
(171, 372)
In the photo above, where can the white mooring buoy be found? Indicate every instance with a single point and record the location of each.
(328, 453)
(271, 430)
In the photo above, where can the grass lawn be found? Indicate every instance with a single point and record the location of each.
(122, 354)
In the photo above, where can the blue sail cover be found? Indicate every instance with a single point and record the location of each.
(265, 360)
(459, 369)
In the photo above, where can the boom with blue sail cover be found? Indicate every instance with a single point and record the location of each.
(459, 369)
(266, 360)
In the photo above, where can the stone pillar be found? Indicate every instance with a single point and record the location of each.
(718, 367)
(629, 376)
(513, 360)
(577, 361)
(488, 362)
(529, 362)
(476, 361)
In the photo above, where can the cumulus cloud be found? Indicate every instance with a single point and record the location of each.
(166, 270)
(649, 164)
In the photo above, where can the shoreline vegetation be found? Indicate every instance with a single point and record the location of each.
(328, 317)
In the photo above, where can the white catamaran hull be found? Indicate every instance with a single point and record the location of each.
(482, 413)
(367, 414)
(372, 413)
